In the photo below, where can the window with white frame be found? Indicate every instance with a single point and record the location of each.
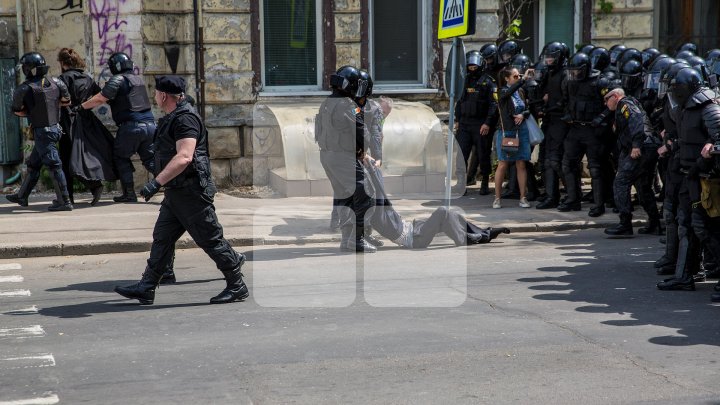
(398, 54)
(291, 47)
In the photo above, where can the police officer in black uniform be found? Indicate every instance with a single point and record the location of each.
(341, 136)
(585, 89)
(636, 166)
(698, 126)
(39, 98)
(554, 128)
(183, 168)
(127, 96)
(474, 114)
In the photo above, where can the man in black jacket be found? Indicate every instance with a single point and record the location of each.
(638, 158)
(183, 168)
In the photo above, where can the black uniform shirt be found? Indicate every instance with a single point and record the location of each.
(630, 124)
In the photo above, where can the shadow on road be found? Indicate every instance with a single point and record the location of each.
(107, 306)
(616, 277)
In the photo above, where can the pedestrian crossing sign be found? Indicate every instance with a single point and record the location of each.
(457, 18)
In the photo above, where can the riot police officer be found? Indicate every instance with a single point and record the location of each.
(585, 89)
(489, 52)
(698, 127)
(39, 98)
(631, 78)
(183, 168)
(127, 96)
(554, 128)
(636, 165)
(475, 114)
(340, 134)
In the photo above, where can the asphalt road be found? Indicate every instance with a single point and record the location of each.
(560, 318)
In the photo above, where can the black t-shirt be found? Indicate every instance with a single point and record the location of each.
(185, 126)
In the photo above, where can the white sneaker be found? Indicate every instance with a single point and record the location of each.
(524, 203)
(496, 203)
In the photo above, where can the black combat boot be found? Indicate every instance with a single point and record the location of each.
(623, 230)
(599, 208)
(356, 242)
(666, 264)
(484, 185)
(236, 290)
(62, 201)
(654, 227)
(168, 276)
(21, 197)
(494, 232)
(96, 193)
(143, 290)
(551, 188)
(128, 194)
(683, 279)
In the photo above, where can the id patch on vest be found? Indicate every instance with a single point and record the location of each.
(495, 95)
(471, 90)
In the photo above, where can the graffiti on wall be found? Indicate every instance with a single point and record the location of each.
(70, 7)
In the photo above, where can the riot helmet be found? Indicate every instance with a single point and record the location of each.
(610, 75)
(599, 58)
(120, 62)
(711, 56)
(473, 58)
(566, 50)
(553, 55)
(506, 51)
(33, 65)
(587, 49)
(540, 69)
(648, 57)
(668, 74)
(627, 55)
(684, 55)
(489, 53)
(615, 52)
(686, 82)
(578, 68)
(688, 46)
(652, 78)
(346, 80)
(521, 62)
(631, 75)
(365, 76)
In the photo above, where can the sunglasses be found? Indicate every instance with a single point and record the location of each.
(608, 97)
(515, 76)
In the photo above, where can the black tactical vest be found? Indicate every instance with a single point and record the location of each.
(46, 99)
(165, 148)
(132, 97)
(334, 129)
(585, 101)
(475, 99)
(553, 88)
(692, 129)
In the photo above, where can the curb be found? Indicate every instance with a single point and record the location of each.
(136, 246)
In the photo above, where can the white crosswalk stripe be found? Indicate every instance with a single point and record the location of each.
(15, 293)
(11, 279)
(10, 266)
(35, 361)
(48, 399)
(22, 333)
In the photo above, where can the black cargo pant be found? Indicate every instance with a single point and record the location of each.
(468, 136)
(583, 140)
(639, 172)
(133, 137)
(190, 208)
(555, 131)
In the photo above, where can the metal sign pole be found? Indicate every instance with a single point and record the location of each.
(451, 123)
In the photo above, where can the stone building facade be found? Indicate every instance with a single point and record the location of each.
(240, 70)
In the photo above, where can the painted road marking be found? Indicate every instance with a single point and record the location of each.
(22, 333)
(15, 293)
(10, 266)
(38, 361)
(24, 311)
(48, 399)
(11, 279)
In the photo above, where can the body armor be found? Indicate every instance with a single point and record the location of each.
(586, 100)
(698, 123)
(46, 96)
(336, 125)
(165, 148)
(135, 99)
(553, 88)
(476, 98)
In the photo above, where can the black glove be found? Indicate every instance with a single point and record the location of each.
(150, 189)
(597, 122)
(76, 109)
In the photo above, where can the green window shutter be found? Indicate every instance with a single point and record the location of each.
(559, 22)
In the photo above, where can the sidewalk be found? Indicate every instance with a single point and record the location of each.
(120, 228)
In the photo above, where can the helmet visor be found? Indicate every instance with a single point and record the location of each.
(505, 58)
(662, 89)
(614, 56)
(362, 88)
(652, 80)
(630, 81)
(575, 74)
(474, 60)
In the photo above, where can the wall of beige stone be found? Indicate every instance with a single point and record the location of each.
(630, 22)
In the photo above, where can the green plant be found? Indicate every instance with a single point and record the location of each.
(606, 7)
(512, 31)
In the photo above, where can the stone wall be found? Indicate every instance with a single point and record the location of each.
(630, 23)
(8, 29)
